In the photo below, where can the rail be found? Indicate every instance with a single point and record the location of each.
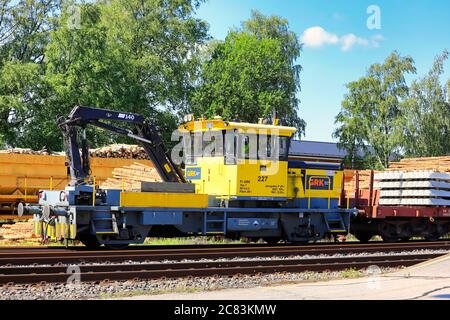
(26, 265)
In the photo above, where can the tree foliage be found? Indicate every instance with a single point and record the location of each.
(24, 34)
(131, 55)
(144, 56)
(153, 57)
(382, 116)
(426, 114)
(252, 74)
(371, 113)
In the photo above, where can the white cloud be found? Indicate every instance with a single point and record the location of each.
(318, 37)
(349, 40)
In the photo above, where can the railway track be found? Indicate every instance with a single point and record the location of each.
(108, 272)
(56, 265)
(29, 256)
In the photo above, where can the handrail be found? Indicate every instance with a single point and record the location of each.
(329, 193)
(93, 193)
(26, 186)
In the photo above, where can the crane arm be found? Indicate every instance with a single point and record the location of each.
(144, 132)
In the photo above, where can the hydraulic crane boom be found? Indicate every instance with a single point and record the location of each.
(144, 131)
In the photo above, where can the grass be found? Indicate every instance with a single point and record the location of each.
(140, 292)
(21, 243)
(190, 241)
(350, 273)
(36, 243)
(213, 240)
(148, 241)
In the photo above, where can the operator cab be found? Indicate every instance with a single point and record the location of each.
(237, 161)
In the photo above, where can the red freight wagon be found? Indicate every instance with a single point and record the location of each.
(392, 223)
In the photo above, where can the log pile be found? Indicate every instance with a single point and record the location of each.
(350, 180)
(130, 177)
(441, 164)
(123, 151)
(19, 231)
(25, 151)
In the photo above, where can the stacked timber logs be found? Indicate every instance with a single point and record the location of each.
(130, 177)
(441, 164)
(25, 151)
(437, 164)
(123, 151)
(350, 178)
(19, 231)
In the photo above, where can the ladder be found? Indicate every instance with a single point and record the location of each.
(104, 224)
(335, 223)
(214, 223)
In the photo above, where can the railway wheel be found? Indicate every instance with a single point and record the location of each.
(432, 232)
(299, 243)
(363, 237)
(272, 240)
(432, 237)
(116, 246)
(389, 239)
(89, 241)
(389, 233)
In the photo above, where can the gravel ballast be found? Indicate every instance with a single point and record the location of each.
(119, 289)
(152, 287)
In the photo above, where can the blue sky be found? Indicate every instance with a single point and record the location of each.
(417, 28)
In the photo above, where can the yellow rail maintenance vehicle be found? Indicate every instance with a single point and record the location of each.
(237, 182)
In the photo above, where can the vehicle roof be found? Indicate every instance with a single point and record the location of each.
(244, 127)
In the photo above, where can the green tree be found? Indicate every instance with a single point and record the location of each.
(252, 74)
(351, 133)
(370, 114)
(426, 114)
(24, 33)
(131, 55)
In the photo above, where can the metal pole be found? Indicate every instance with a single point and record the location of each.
(26, 186)
(348, 201)
(329, 192)
(309, 193)
(371, 188)
(357, 189)
(93, 194)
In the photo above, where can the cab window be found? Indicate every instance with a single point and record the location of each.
(269, 144)
(255, 147)
(201, 145)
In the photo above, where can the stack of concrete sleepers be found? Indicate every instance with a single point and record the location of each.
(413, 188)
